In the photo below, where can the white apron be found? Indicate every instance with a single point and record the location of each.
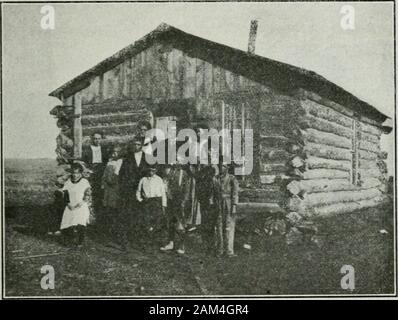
(78, 216)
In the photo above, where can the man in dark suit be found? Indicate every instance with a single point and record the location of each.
(132, 170)
(95, 153)
(95, 156)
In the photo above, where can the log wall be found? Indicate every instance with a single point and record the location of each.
(116, 100)
(325, 184)
(275, 121)
(163, 81)
(116, 120)
(303, 143)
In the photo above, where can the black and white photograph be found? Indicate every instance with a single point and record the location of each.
(198, 150)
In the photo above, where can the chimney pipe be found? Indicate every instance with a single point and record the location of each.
(252, 36)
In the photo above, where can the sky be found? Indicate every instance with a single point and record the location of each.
(308, 35)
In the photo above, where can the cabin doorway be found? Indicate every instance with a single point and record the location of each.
(236, 120)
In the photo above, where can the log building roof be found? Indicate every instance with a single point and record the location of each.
(252, 66)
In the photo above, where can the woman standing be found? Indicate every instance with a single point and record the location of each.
(110, 185)
(76, 215)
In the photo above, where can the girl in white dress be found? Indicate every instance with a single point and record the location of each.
(77, 213)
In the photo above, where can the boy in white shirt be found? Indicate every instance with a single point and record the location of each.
(151, 193)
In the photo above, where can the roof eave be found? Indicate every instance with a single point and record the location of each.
(141, 44)
(181, 40)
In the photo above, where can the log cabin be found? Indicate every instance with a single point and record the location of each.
(316, 146)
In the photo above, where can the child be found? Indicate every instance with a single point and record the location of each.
(176, 183)
(76, 214)
(110, 185)
(151, 193)
(226, 198)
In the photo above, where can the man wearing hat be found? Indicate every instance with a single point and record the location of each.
(95, 157)
(176, 181)
(131, 171)
(226, 198)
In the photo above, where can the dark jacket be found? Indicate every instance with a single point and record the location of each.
(204, 187)
(130, 175)
(87, 155)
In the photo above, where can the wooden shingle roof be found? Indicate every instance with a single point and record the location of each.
(255, 67)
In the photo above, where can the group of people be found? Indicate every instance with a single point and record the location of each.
(133, 201)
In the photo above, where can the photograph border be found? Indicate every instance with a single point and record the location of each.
(194, 297)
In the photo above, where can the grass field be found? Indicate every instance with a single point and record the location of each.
(270, 268)
(29, 182)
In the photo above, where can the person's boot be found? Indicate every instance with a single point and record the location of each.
(81, 236)
(75, 236)
(181, 250)
(168, 247)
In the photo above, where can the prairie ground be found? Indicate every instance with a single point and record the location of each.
(363, 240)
(29, 182)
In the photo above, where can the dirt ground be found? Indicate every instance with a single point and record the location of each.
(270, 268)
